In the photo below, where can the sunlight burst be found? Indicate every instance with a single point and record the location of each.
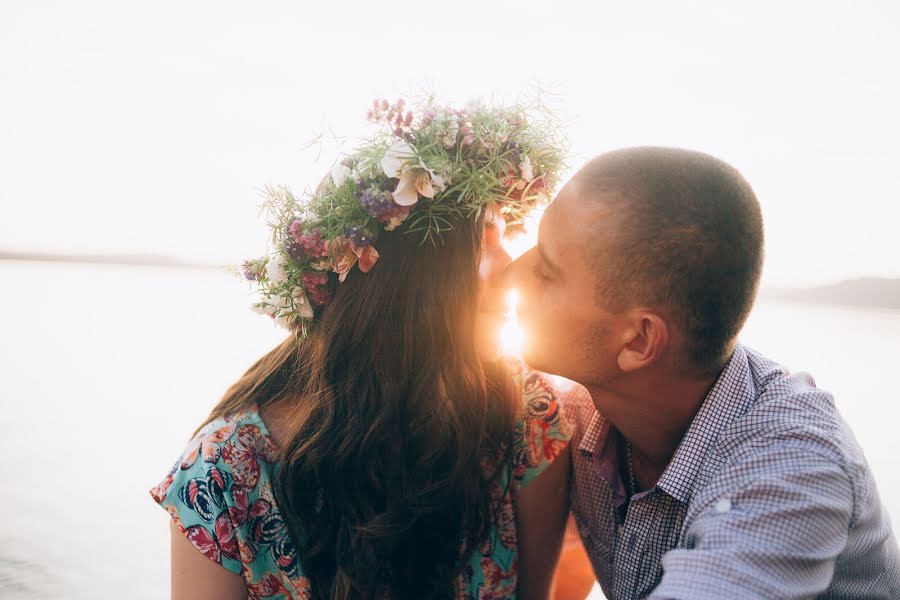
(512, 338)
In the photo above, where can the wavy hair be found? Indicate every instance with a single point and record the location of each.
(383, 482)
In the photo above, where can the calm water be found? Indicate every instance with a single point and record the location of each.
(106, 370)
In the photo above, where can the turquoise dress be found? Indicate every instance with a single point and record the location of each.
(219, 493)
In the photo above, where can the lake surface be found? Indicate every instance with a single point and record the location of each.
(106, 371)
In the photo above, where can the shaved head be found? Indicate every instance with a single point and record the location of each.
(682, 232)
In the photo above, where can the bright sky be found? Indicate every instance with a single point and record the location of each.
(147, 127)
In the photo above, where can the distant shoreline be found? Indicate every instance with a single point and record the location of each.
(868, 292)
(770, 297)
(138, 260)
(864, 293)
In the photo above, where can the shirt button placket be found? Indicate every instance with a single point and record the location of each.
(631, 542)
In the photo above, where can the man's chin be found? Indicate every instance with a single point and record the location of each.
(537, 361)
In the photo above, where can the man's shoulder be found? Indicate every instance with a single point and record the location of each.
(788, 409)
(790, 422)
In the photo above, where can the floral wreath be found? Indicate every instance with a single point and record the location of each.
(421, 171)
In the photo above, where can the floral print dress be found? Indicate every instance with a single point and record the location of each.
(219, 493)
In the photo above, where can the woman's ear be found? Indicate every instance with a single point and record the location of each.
(645, 340)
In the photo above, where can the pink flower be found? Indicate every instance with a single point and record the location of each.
(311, 241)
(311, 280)
(345, 254)
(316, 285)
(343, 257)
(367, 255)
(468, 136)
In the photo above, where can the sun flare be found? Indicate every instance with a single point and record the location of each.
(510, 334)
(512, 338)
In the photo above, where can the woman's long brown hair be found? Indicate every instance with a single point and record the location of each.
(392, 417)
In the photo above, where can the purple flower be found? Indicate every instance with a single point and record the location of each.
(295, 251)
(358, 236)
(249, 268)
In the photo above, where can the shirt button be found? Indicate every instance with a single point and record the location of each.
(631, 542)
(723, 505)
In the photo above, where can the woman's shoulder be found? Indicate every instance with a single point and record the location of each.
(222, 440)
(543, 431)
(235, 446)
(220, 481)
(541, 396)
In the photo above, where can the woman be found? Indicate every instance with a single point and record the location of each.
(383, 450)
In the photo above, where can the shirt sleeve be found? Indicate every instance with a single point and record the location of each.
(196, 494)
(774, 531)
(543, 430)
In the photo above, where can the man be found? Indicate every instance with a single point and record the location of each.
(700, 469)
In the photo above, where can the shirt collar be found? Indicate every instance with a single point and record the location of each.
(597, 428)
(729, 398)
(601, 444)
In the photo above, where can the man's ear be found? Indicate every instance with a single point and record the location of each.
(645, 341)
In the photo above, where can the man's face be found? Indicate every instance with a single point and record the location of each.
(568, 330)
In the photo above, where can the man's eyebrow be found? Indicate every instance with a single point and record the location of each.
(550, 264)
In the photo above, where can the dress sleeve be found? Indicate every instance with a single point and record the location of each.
(197, 495)
(542, 431)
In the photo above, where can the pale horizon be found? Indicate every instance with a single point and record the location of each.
(149, 129)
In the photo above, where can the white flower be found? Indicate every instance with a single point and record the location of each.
(339, 173)
(285, 309)
(302, 306)
(283, 321)
(396, 158)
(264, 308)
(405, 194)
(434, 183)
(527, 171)
(275, 269)
(415, 179)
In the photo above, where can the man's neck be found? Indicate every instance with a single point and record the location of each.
(653, 417)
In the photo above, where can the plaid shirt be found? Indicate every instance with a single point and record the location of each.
(767, 496)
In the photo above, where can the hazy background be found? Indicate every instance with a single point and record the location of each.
(140, 132)
(147, 127)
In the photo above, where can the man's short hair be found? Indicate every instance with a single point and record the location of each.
(688, 237)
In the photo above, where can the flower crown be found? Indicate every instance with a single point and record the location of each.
(421, 171)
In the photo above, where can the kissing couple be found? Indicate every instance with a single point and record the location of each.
(388, 449)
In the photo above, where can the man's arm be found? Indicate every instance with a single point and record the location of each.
(775, 530)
